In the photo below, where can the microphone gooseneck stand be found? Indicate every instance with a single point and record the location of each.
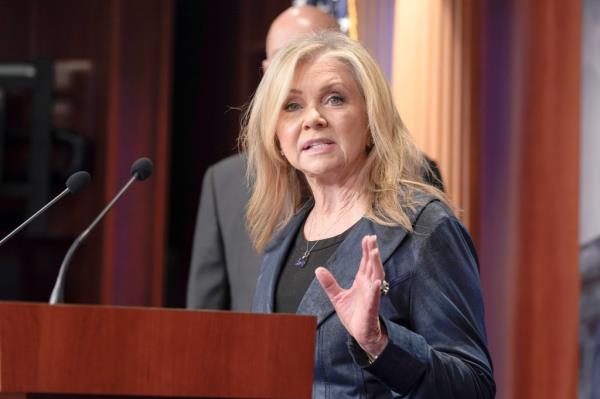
(75, 183)
(140, 170)
(57, 295)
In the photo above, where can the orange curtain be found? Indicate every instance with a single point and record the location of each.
(529, 193)
(433, 80)
(491, 90)
(546, 89)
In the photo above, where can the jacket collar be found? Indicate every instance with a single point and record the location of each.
(343, 264)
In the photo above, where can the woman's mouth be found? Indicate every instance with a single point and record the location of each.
(318, 144)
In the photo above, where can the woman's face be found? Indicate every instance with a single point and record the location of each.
(323, 126)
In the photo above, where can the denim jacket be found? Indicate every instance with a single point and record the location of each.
(433, 312)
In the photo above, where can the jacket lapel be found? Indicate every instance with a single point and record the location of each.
(273, 260)
(343, 264)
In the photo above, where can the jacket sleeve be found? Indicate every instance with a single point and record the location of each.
(440, 350)
(208, 286)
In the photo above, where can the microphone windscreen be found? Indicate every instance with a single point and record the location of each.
(77, 181)
(142, 168)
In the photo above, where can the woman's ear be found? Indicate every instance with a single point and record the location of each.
(370, 142)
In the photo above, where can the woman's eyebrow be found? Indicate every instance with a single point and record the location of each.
(335, 84)
(326, 87)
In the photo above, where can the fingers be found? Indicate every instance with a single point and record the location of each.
(373, 268)
(362, 267)
(374, 298)
(370, 274)
(365, 267)
(376, 265)
(372, 247)
(329, 284)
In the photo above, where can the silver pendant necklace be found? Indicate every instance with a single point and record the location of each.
(301, 262)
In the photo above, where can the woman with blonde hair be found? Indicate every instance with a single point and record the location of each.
(338, 192)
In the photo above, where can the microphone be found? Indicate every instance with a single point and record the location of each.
(75, 183)
(140, 170)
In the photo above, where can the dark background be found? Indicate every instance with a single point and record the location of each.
(216, 68)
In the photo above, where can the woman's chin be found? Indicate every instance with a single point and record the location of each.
(329, 170)
(322, 170)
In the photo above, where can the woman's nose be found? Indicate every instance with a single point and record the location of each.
(314, 119)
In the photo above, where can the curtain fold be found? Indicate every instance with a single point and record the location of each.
(491, 91)
(433, 80)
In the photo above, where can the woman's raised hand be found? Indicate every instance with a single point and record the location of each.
(358, 306)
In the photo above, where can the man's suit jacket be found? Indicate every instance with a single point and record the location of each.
(224, 263)
(433, 312)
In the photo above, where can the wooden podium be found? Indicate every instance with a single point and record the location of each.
(69, 351)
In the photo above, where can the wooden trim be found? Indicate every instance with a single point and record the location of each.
(63, 350)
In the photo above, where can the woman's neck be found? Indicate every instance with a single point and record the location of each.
(336, 209)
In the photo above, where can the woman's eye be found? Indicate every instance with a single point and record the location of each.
(335, 99)
(290, 107)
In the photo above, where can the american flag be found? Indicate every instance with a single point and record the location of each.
(343, 10)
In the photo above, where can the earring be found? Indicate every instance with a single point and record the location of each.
(370, 144)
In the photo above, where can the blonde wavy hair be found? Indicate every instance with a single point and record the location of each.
(394, 165)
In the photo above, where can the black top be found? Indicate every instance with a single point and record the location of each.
(296, 275)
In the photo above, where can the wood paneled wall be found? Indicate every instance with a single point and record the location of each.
(125, 47)
(138, 125)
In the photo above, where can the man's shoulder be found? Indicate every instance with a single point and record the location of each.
(232, 165)
(228, 179)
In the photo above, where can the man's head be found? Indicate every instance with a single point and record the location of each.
(295, 22)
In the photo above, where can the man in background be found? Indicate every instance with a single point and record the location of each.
(224, 263)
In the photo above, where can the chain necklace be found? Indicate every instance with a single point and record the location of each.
(301, 262)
